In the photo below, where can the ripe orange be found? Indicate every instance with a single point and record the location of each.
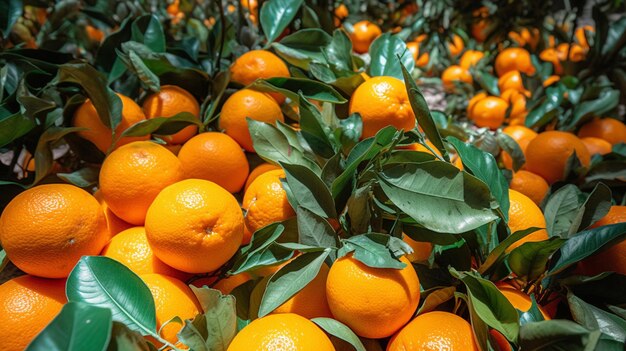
(260, 169)
(421, 250)
(284, 331)
(133, 175)
(131, 249)
(612, 259)
(489, 112)
(547, 154)
(480, 24)
(574, 52)
(551, 55)
(46, 229)
(517, 101)
(454, 74)
(27, 305)
(414, 48)
(373, 302)
(265, 202)
(310, 302)
(609, 129)
(597, 145)
(434, 331)
(169, 101)
(114, 223)
(259, 64)
(530, 184)
(581, 35)
(216, 157)
(227, 285)
(473, 101)
(247, 103)
(341, 11)
(519, 300)
(194, 226)
(382, 101)
(456, 46)
(523, 214)
(471, 58)
(551, 80)
(363, 34)
(514, 59)
(86, 116)
(525, 36)
(522, 135)
(511, 80)
(171, 298)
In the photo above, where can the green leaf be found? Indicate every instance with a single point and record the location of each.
(162, 125)
(595, 207)
(561, 211)
(487, 81)
(78, 327)
(4, 260)
(511, 146)
(290, 279)
(384, 53)
(14, 127)
(605, 102)
(303, 47)
(422, 113)
(146, 76)
(107, 103)
(485, 167)
(273, 146)
(436, 298)
(557, 335)
(594, 318)
(276, 16)
(314, 230)
(309, 191)
(529, 260)
(373, 250)
(10, 12)
(585, 244)
(43, 152)
(262, 250)
(490, 305)
(104, 282)
(339, 51)
(82, 178)
(548, 109)
(339, 330)
(292, 87)
(147, 29)
(496, 254)
(438, 196)
(215, 328)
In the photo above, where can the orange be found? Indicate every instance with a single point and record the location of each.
(421, 249)
(597, 145)
(551, 80)
(247, 103)
(133, 175)
(259, 64)
(517, 101)
(227, 284)
(114, 223)
(382, 101)
(46, 229)
(471, 58)
(131, 249)
(489, 112)
(551, 55)
(547, 154)
(284, 331)
(94, 33)
(612, 259)
(514, 59)
(310, 302)
(216, 157)
(609, 129)
(581, 35)
(511, 80)
(373, 302)
(435, 331)
(341, 11)
(363, 34)
(456, 46)
(526, 37)
(414, 49)
(27, 305)
(265, 202)
(519, 300)
(522, 135)
(194, 226)
(531, 185)
(171, 298)
(523, 214)
(169, 101)
(480, 24)
(454, 74)
(86, 116)
(574, 52)
(473, 101)
(260, 169)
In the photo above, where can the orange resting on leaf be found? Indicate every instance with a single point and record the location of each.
(168, 102)
(524, 214)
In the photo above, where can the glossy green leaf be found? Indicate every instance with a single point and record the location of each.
(509, 145)
(10, 12)
(43, 152)
(162, 125)
(276, 16)
(291, 87)
(290, 279)
(547, 110)
(605, 102)
(14, 127)
(596, 206)
(262, 250)
(303, 47)
(436, 298)
(529, 261)
(557, 335)
(498, 252)
(384, 52)
(438, 196)
(82, 178)
(77, 327)
(487, 81)
(314, 230)
(373, 250)
(339, 330)
(309, 191)
(594, 318)
(339, 52)
(147, 29)
(561, 210)
(145, 75)
(485, 167)
(103, 282)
